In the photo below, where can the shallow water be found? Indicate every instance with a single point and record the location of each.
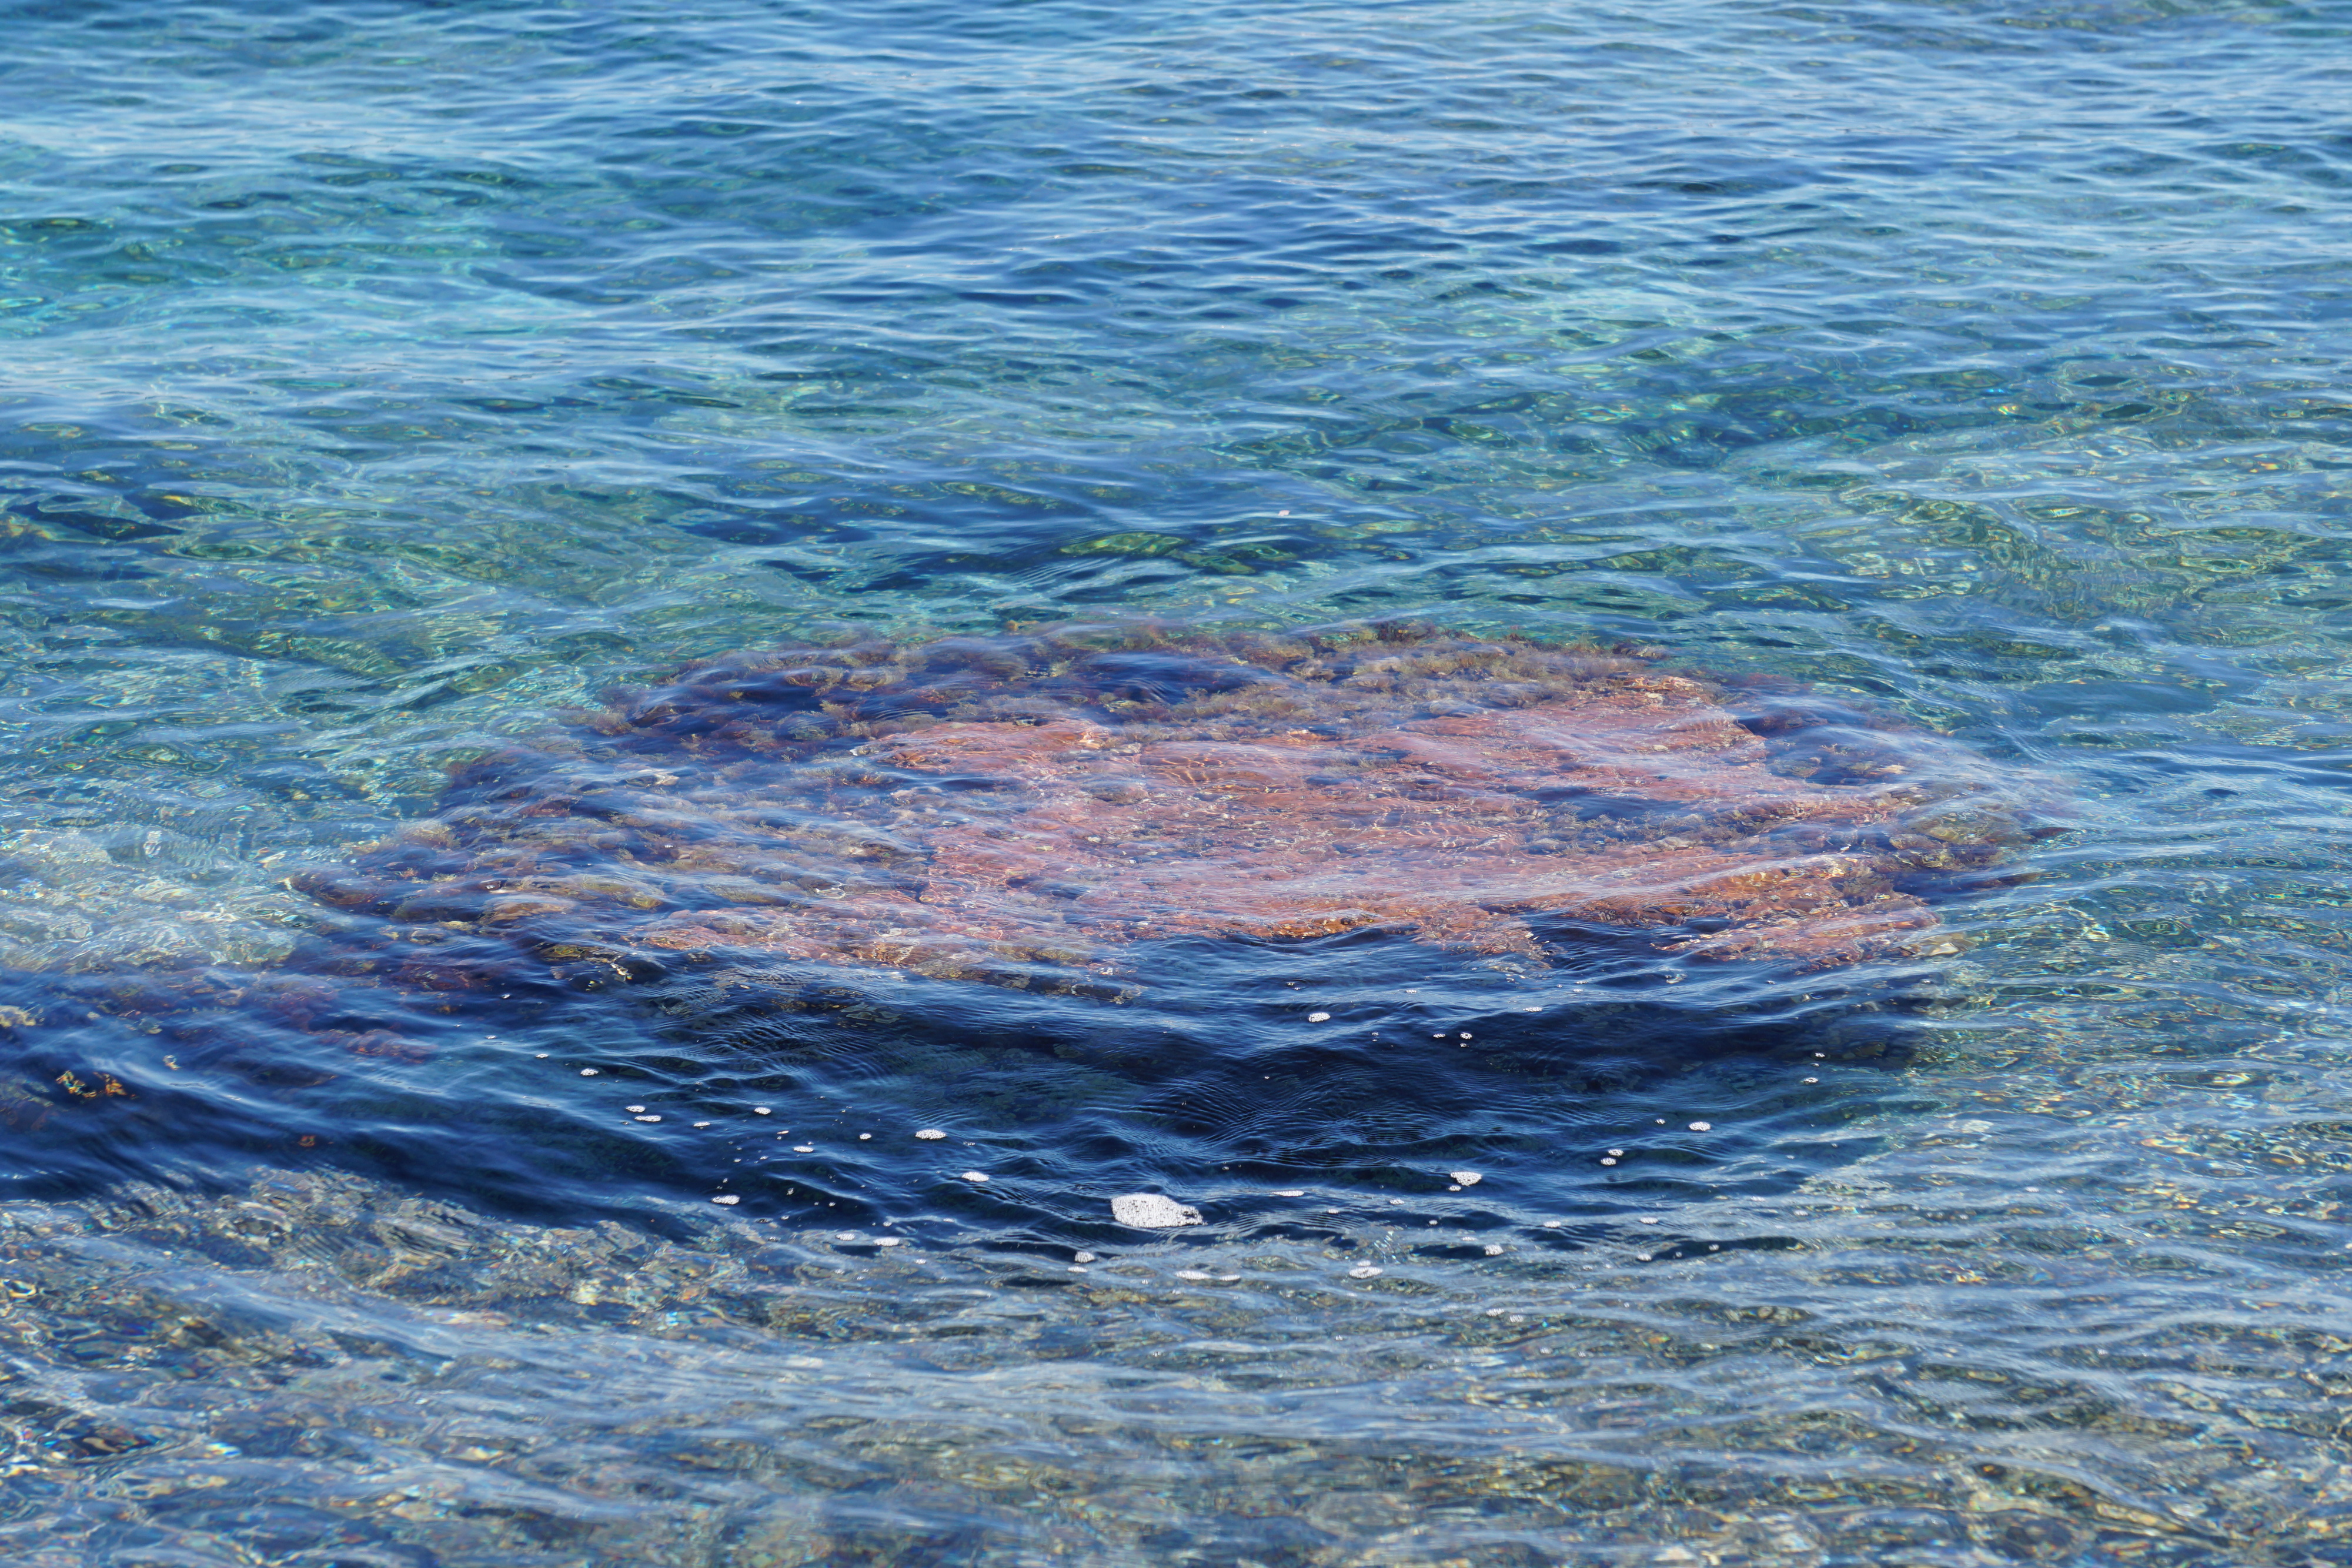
(384, 380)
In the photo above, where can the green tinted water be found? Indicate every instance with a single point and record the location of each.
(381, 380)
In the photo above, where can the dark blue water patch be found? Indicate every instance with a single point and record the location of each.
(1571, 1092)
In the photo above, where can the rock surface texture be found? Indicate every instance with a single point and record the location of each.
(1030, 809)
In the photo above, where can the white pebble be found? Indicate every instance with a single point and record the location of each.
(702, 1124)
(975, 1175)
(864, 1136)
(587, 1072)
(758, 1110)
(930, 1134)
(1618, 1152)
(847, 1236)
(803, 1148)
(1194, 1274)
(1291, 1192)
(632, 1109)
(1812, 1081)
(649, 1118)
(1084, 1257)
(1362, 1271)
(1701, 1126)
(1467, 1178)
(890, 1241)
(1151, 1211)
(1493, 1250)
(726, 1198)
(1551, 1225)
(1607, 1162)
(1649, 1221)
(1318, 1018)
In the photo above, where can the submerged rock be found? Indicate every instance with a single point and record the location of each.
(1031, 810)
(1152, 1211)
(1125, 813)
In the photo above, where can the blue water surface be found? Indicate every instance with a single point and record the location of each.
(380, 382)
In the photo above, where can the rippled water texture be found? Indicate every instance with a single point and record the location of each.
(385, 383)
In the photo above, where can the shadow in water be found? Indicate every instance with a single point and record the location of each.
(1276, 1086)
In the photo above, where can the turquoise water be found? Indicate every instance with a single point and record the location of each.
(382, 379)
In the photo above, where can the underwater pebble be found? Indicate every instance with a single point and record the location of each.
(702, 1124)
(649, 1118)
(1291, 1192)
(587, 1072)
(1150, 1210)
(1812, 1081)
(845, 1235)
(1318, 1018)
(975, 1175)
(632, 1109)
(1648, 1221)
(726, 1198)
(803, 1148)
(862, 1137)
(1467, 1178)
(1083, 1257)
(1363, 1272)
(890, 1241)
(1701, 1126)
(930, 1134)
(1191, 1274)
(1618, 1153)
(1607, 1162)
(1551, 1225)
(758, 1110)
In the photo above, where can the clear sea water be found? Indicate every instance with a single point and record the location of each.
(377, 381)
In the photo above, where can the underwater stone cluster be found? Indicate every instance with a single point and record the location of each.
(1030, 809)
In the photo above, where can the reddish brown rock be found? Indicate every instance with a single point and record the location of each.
(1031, 810)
